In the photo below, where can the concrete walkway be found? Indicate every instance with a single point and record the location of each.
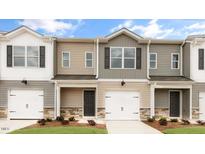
(130, 127)
(7, 126)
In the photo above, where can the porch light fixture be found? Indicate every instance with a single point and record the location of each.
(24, 82)
(122, 83)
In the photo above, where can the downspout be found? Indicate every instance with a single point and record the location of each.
(181, 58)
(148, 45)
(97, 58)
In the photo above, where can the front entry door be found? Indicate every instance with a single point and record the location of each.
(89, 103)
(174, 104)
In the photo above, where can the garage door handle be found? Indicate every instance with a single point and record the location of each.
(12, 111)
(40, 111)
(107, 96)
(135, 112)
(107, 112)
(135, 97)
(12, 95)
(40, 95)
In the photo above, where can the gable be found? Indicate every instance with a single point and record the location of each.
(122, 40)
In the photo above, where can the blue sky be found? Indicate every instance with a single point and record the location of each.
(88, 28)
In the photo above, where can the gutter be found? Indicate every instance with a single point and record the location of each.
(181, 58)
(97, 60)
(148, 45)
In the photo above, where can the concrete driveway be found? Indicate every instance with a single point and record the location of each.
(130, 127)
(7, 126)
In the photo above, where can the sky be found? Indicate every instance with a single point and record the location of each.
(90, 28)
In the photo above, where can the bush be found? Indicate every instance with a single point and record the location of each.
(163, 121)
(42, 122)
(185, 122)
(201, 122)
(49, 120)
(173, 120)
(59, 118)
(91, 122)
(71, 119)
(65, 122)
(152, 119)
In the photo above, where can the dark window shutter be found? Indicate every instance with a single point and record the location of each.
(42, 56)
(9, 56)
(138, 58)
(107, 57)
(201, 59)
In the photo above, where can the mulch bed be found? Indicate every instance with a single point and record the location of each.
(161, 128)
(71, 123)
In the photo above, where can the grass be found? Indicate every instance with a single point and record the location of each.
(60, 130)
(188, 130)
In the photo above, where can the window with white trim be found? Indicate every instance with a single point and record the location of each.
(19, 56)
(32, 56)
(89, 59)
(66, 59)
(122, 57)
(175, 61)
(153, 60)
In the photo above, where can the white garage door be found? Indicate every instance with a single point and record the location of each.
(25, 104)
(122, 105)
(202, 105)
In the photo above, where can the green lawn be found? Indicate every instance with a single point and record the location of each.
(60, 130)
(188, 130)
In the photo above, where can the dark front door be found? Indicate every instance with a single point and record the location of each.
(174, 104)
(89, 103)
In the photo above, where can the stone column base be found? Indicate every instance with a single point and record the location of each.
(161, 112)
(3, 112)
(68, 112)
(49, 113)
(144, 113)
(195, 113)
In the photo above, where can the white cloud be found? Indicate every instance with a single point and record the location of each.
(51, 26)
(152, 29)
(196, 26)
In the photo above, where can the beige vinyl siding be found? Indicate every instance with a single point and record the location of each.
(186, 103)
(196, 89)
(186, 60)
(122, 41)
(77, 58)
(161, 98)
(47, 87)
(164, 60)
(71, 97)
(142, 88)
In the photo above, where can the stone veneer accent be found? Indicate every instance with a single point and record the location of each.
(48, 113)
(144, 113)
(161, 112)
(67, 112)
(101, 113)
(195, 113)
(3, 112)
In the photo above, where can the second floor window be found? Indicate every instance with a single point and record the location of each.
(88, 59)
(19, 56)
(153, 60)
(175, 61)
(32, 56)
(66, 59)
(122, 58)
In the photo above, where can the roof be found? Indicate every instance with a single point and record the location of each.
(80, 40)
(74, 77)
(169, 78)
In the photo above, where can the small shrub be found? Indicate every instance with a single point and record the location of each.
(49, 120)
(152, 119)
(59, 118)
(185, 122)
(65, 122)
(173, 120)
(91, 122)
(199, 121)
(163, 121)
(42, 122)
(71, 119)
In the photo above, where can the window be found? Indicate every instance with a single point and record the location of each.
(201, 59)
(175, 61)
(19, 56)
(66, 59)
(122, 58)
(32, 56)
(89, 59)
(153, 60)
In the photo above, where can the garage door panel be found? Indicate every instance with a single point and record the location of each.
(122, 105)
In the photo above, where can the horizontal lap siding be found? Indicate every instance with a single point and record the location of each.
(186, 60)
(122, 41)
(47, 87)
(143, 88)
(164, 60)
(196, 88)
(161, 98)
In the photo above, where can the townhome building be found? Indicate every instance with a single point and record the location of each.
(121, 76)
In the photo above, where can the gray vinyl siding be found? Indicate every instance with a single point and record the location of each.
(161, 98)
(164, 59)
(46, 86)
(186, 103)
(196, 89)
(186, 60)
(122, 41)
